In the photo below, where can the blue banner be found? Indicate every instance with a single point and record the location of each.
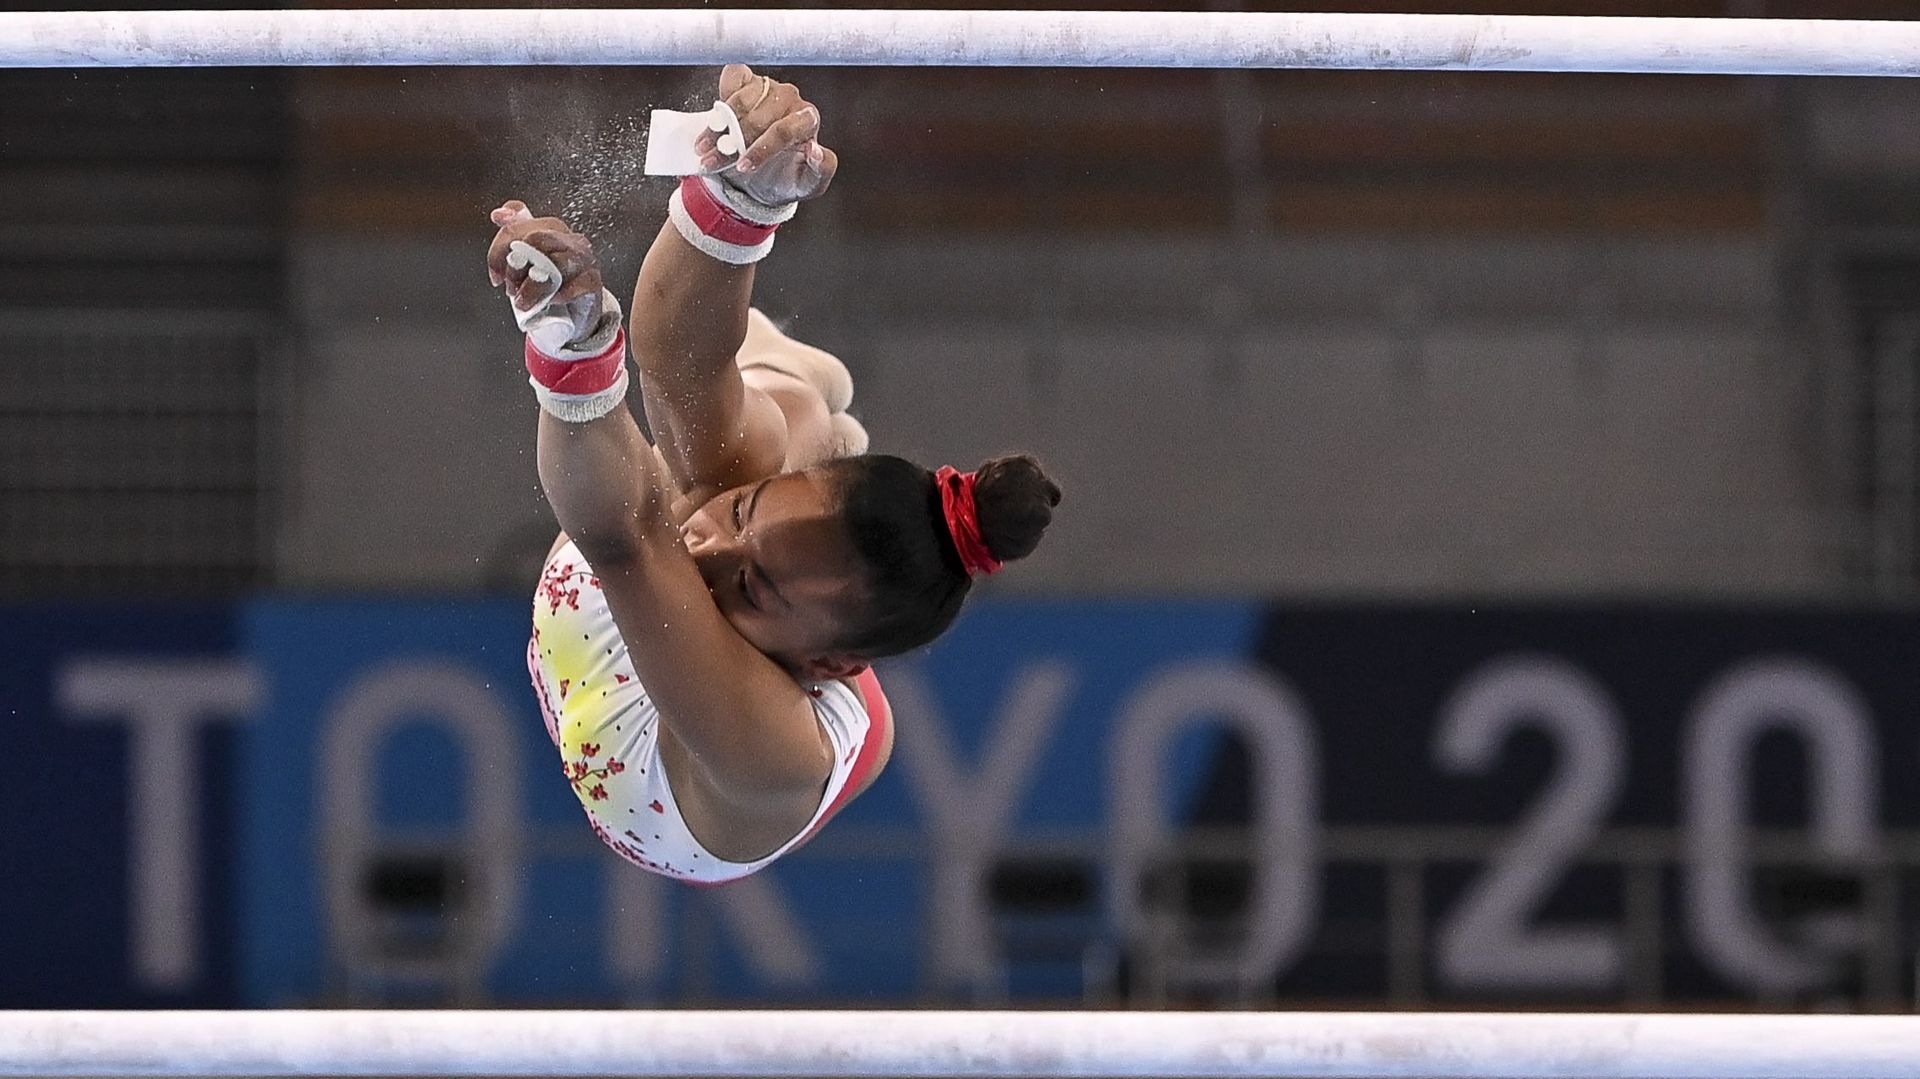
(116, 793)
(295, 803)
(401, 759)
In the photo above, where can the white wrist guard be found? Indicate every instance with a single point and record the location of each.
(578, 376)
(724, 222)
(580, 407)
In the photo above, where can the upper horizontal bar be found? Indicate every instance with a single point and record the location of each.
(811, 1045)
(959, 38)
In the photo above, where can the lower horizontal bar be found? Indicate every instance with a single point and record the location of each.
(812, 1045)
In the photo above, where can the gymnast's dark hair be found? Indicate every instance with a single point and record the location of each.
(916, 581)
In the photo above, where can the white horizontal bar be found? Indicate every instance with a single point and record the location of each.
(959, 38)
(923, 1044)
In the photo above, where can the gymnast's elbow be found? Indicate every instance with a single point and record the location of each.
(614, 533)
(606, 544)
(617, 536)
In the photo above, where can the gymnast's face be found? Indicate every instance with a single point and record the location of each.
(781, 568)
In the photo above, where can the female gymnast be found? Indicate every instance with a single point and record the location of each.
(703, 628)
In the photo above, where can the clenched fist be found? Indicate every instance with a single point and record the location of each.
(569, 251)
(783, 160)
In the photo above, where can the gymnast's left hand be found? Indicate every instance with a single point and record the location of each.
(571, 253)
(784, 160)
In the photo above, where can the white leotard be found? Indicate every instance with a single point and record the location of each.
(607, 730)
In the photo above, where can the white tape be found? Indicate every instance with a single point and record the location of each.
(672, 139)
(522, 255)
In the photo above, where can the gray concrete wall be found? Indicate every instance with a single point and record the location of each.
(1420, 417)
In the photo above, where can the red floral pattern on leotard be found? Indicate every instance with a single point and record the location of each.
(588, 779)
(599, 716)
(553, 585)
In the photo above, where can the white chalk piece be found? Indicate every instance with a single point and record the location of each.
(672, 138)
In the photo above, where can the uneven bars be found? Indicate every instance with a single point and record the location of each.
(813, 1045)
(959, 38)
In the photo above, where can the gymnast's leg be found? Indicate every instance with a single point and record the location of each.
(811, 387)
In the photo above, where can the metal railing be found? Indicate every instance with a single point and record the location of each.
(148, 464)
(1857, 920)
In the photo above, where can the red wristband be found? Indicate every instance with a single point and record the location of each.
(716, 219)
(579, 378)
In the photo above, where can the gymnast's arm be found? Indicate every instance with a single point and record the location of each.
(743, 719)
(689, 318)
(689, 310)
(747, 723)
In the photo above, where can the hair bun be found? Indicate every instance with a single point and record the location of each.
(1014, 500)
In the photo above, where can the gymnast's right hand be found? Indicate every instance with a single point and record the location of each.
(784, 161)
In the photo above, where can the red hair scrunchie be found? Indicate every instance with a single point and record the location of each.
(963, 520)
